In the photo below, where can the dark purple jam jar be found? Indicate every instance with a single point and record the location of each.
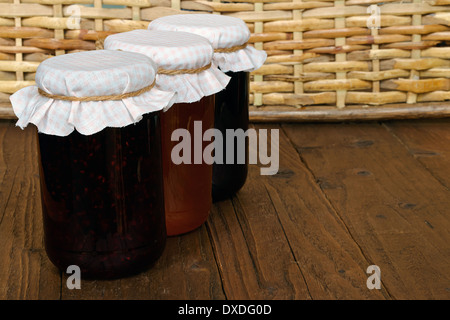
(102, 199)
(231, 112)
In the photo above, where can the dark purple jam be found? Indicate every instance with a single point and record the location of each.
(187, 187)
(103, 200)
(231, 112)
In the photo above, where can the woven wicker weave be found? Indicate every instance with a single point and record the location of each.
(341, 59)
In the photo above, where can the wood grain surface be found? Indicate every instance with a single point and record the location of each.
(346, 196)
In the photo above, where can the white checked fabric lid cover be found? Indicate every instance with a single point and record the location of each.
(222, 32)
(88, 74)
(174, 51)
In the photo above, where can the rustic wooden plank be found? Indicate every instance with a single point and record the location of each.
(279, 112)
(393, 208)
(332, 263)
(429, 142)
(25, 271)
(282, 236)
(186, 270)
(327, 113)
(254, 257)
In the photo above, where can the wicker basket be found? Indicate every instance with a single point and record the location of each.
(327, 60)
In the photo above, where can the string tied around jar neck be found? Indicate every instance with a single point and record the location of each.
(183, 71)
(98, 98)
(231, 49)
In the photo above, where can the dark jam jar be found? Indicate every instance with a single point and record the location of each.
(231, 112)
(233, 55)
(102, 199)
(187, 187)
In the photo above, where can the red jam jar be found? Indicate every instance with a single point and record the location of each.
(187, 186)
(229, 37)
(185, 67)
(231, 112)
(100, 160)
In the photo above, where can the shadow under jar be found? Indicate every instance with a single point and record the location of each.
(231, 112)
(102, 199)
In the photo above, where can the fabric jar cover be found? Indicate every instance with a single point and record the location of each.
(223, 32)
(175, 51)
(90, 74)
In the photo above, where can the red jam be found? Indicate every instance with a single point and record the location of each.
(102, 199)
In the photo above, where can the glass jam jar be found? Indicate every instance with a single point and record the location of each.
(231, 112)
(229, 37)
(185, 67)
(103, 200)
(100, 160)
(187, 187)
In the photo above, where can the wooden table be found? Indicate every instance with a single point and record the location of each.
(347, 196)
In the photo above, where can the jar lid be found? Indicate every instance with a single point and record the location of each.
(89, 91)
(228, 36)
(184, 61)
